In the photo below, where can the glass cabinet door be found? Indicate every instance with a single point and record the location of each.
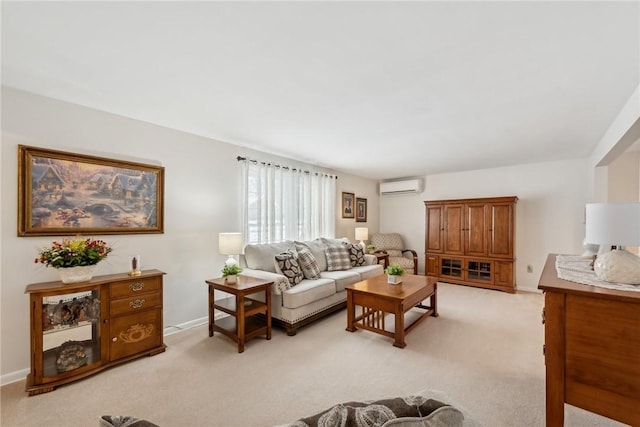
(70, 332)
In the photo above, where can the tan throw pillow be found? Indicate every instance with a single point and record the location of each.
(337, 258)
(308, 264)
(287, 264)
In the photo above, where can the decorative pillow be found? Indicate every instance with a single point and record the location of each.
(124, 421)
(356, 254)
(376, 413)
(316, 247)
(337, 258)
(287, 264)
(308, 264)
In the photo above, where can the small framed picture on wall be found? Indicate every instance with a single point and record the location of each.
(348, 205)
(361, 210)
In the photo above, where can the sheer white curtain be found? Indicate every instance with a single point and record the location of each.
(282, 203)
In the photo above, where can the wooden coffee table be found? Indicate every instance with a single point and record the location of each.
(383, 307)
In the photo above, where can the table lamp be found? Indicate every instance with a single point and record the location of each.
(362, 234)
(616, 225)
(230, 244)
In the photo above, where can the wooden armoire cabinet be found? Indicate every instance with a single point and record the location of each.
(471, 241)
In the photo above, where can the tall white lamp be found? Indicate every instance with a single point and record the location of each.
(230, 244)
(362, 234)
(618, 225)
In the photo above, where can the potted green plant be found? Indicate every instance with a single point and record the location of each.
(371, 248)
(230, 273)
(394, 274)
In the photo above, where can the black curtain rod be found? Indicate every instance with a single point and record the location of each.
(240, 159)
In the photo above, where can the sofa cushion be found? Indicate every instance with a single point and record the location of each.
(368, 271)
(308, 263)
(260, 256)
(356, 254)
(337, 258)
(316, 247)
(307, 292)
(342, 278)
(287, 264)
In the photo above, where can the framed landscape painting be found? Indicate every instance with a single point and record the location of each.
(348, 205)
(361, 209)
(63, 193)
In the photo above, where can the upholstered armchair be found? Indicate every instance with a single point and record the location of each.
(391, 243)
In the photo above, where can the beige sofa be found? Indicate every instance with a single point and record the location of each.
(299, 303)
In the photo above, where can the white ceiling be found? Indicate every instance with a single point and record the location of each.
(376, 89)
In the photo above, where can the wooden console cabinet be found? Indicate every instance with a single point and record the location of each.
(591, 349)
(471, 241)
(80, 329)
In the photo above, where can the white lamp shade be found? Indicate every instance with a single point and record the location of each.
(230, 243)
(613, 224)
(362, 233)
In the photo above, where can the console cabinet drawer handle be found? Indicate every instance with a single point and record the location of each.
(136, 286)
(136, 303)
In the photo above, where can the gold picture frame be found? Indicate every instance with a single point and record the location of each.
(62, 193)
(348, 205)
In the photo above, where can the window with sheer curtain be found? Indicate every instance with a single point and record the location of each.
(282, 203)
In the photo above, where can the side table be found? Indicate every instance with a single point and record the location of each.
(243, 322)
(382, 256)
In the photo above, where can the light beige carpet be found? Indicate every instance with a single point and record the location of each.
(485, 351)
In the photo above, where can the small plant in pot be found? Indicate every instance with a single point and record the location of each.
(371, 248)
(394, 274)
(230, 273)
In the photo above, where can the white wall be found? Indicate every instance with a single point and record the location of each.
(202, 185)
(624, 178)
(549, 212)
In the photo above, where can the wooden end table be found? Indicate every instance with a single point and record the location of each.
(377, 298)
(382, 256)
(243, 322)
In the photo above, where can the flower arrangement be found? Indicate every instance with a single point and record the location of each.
(73, 253)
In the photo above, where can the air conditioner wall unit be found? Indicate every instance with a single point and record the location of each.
(407, 186)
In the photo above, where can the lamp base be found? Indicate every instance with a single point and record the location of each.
(619, 266)
(231, 261)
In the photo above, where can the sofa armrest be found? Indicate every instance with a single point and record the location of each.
(280, 283)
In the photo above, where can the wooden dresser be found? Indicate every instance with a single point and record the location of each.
(472, 241)
(592, 349)
(80, 329)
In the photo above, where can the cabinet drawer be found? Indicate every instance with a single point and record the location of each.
(134, 334)
(135, 303)
(135, 286)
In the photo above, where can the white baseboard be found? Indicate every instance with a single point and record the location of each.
(13, 377)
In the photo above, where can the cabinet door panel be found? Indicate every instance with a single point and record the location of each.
(504, 273)
(432, 267)
(501, 231)
(453, 224)
(135, 333)
(435, 228)
(475, 233)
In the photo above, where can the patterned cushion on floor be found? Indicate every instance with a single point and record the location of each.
(397, 412)
(124, 421)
